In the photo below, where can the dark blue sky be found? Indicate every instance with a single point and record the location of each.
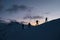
(18, 9)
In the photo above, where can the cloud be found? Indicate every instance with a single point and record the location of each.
(10, 10)
(0, 0)
(1, 5)
(33, 17)
(18, 7)
(45, 13)
(23, 7)
(23, 22)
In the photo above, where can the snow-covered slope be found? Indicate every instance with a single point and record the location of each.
(16, 31)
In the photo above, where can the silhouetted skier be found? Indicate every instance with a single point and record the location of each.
(29, 25)
(22, 26)
(46, 19)
(37, 22)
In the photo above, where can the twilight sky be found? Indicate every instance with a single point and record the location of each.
(29, 9)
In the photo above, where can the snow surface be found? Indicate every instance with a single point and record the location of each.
(15, 31)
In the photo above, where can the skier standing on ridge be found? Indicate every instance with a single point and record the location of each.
(37, 22)
(46, 19)
(22, 26)
(29, 25)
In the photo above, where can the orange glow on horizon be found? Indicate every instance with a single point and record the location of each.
(33, 22)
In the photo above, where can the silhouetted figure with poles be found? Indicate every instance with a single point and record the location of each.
(29, 25)
(22, 26)
(46, 19)
(37, 22)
